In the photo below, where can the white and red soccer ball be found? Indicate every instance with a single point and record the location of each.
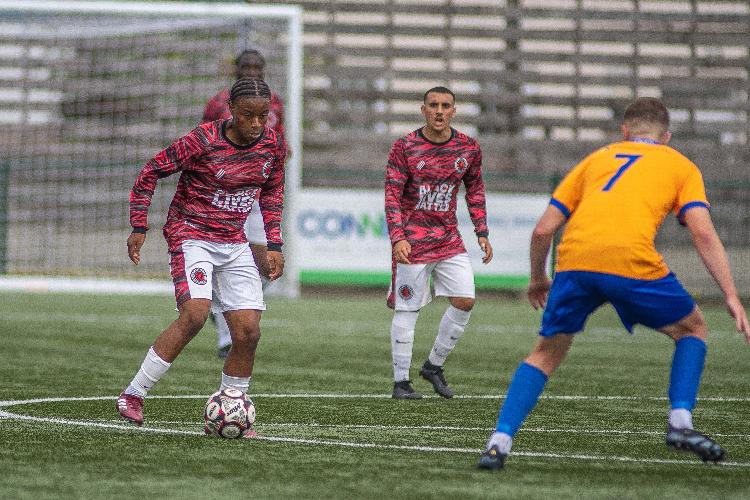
(228, 414)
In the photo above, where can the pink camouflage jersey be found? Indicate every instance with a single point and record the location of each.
(218, 109)
(421, 187)
(217, 186)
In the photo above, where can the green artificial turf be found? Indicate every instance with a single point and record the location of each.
(321, 388)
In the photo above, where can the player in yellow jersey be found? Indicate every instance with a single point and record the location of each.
(613, 203)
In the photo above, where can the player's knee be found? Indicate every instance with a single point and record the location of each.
(697, 329)
(194, 321)
(550, 352)
(247, 337)
(463, 303)
(694, 325)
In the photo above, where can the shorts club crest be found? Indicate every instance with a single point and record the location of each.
(406, 292)
(198, 276)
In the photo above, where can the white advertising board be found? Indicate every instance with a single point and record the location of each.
(341, 237)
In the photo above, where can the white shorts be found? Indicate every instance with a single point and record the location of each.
(222, 272)
(255, 228)
(410, 285)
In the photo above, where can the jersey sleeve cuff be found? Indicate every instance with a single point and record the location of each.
(688, 206)
(274, 247)
(483, 234)
(396, 237)
(140, 230)
(560, 206)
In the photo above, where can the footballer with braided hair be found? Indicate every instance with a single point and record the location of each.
(224, 166)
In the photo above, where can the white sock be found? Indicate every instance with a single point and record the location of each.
(242, 384)
(502, 440)
(223, 337)
(449, 332)
(152, 369)
(680, 418)
(402, 341)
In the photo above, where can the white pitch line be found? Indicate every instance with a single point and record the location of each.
(385, 427)
(349, 444)
(718, 399)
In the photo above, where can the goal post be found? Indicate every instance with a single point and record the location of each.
(89, 92)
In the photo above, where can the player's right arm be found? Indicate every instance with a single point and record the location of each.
(564, 201)
(711, 250)
(541, 241)
(178, 156)
(396, 175)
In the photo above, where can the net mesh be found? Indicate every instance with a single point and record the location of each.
(85, 101)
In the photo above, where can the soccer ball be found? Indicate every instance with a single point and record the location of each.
(228, 414)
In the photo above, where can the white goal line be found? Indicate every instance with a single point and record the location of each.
(351, 444)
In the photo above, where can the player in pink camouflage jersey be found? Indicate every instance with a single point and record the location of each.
(249, 64)
(425, 170)
(225, 165)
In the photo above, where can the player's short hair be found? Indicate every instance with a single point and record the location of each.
(439, 90)
(250, 52)
(249, 87)
(646, 111)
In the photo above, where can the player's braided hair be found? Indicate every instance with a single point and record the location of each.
(248, 52)
(250, 87)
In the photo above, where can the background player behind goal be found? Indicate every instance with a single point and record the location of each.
(248, 64)
(423, 176)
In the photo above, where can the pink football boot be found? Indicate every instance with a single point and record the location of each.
(130, 408)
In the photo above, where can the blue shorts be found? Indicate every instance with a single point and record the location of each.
(576, 294)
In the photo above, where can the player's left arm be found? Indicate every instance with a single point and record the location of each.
(271, 204)
(477, 205)
(711, 250)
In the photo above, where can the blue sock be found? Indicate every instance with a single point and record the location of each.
(687, 367)
(523, 393)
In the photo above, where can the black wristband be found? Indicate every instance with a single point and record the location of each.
(140, 230)
(274, 247)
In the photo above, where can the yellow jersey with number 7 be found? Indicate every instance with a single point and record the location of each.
(616, 199)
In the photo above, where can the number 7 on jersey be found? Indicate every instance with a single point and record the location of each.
(630, 160)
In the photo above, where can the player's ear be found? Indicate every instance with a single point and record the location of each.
(625, 132)
(665, 137)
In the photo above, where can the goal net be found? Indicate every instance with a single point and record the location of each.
(90, 91)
